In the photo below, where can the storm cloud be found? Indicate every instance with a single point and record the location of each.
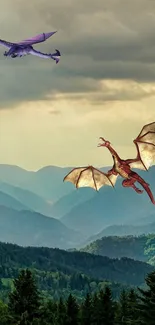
(99, 40)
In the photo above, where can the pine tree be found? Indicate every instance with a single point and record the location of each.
(4, 316)
(61, 313)
(146, 305)
(86, 311)
(133, 314)
(48, 313)
(95, 310)
(106, 307)
(72, 311)
(24, 301)
(122, 310)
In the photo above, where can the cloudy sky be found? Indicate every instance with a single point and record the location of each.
(104, 84)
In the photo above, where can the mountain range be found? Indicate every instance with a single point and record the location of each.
(123, 270)
(122, 230)
(47, 182)
(140, 248)
(29, 228)
(85, 213)
(25, 199)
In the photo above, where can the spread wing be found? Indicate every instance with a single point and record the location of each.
(145, 144)
(90, 177)
(6, 44)
(55, 56)
(36, 39)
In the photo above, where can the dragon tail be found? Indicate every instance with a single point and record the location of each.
(145, 185)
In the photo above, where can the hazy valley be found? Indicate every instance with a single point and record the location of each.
(83, 215)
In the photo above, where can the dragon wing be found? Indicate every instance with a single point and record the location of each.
(36, 39)
(6, 44)
(90, 177)
(145, 144)
(55, 56)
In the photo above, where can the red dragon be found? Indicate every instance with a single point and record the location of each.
(91, 177)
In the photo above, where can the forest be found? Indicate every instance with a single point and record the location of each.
(140, 248)
(62, 266)
(28, 306)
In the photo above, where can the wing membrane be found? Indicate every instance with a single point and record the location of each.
(90, 177)
(6, 44)
(145, 144)
(36, 39)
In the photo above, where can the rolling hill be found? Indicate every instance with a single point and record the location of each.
(28, 228)
(70, 200)
(10, 202)
(123, 230)
(28, 199)
(140, 248)
(46, 182)
(124, 270)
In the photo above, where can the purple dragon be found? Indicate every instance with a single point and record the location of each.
(25, 47)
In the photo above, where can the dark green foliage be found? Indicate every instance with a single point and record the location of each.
(4, 314)
(48, 313)
(72, 311)
(25, 306)
(61, 312)
(146, 305)
(140, 248)
(59, 273)
(86, 310)
(133, 314)
(123, 312)
(24, 300)
(107, 307)
(127, 308)
(13, 257)
(95, 310)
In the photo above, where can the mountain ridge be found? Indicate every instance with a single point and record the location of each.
(140, 248)
(31, 200)
(124, 270)
(29, 228)
(122, 230)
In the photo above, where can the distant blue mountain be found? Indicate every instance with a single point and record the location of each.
(112, 206)
(122, 230)
(28, 228)
(28, 200)
(70, 200)
(46, 182)
(10, 202)
(83, 210)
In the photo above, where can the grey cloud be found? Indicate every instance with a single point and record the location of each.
(54, 112)
(112, 70)
(111, 94)
(111, 39)
(20, 83)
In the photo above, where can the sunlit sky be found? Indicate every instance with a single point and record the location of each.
(104, 84)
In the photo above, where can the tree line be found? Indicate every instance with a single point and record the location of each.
(43, 259)
(27, 306)
(140, 248)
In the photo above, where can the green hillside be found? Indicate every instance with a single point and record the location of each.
(59, 272)
(140, 248)
(26, 305)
